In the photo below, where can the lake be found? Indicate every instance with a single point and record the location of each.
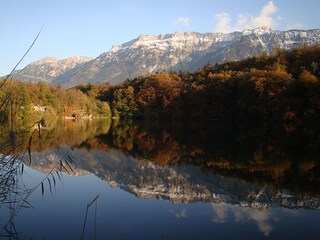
(155, 180)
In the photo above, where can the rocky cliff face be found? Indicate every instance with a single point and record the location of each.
(181, 50)
(47, 69)
(145, 54)
(146, 179)
(176, 51)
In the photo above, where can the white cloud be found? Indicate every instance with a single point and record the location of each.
(244, 21)
(265, 18)
(223, 24)
(297, 25)
(184, 20)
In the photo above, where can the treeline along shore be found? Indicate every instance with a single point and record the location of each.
(282, 87)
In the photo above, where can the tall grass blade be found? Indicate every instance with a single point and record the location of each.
(49, 185)
(34, 41)
(42, 189)
(86, 215)
(29, 150)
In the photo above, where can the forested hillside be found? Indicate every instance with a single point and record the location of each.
(30, 102)
(282, 87)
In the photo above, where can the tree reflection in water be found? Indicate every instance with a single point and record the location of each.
(260, 154)
(227, 164)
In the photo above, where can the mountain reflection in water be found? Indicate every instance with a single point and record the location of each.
(179, 184)
(208, 163)
(240, 174)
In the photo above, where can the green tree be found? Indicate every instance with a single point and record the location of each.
(124, 102)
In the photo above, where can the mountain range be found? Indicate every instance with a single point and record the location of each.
(176, 51)
(47, 69)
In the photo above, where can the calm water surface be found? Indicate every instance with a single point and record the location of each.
(177, 181)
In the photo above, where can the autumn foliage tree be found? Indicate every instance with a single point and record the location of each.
(279, 87)
(56, 100)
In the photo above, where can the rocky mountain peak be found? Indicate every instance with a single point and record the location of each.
(181, 50)
(48, 68)
(257, 31)
(174, 51)
(115, 48)
(45, 61)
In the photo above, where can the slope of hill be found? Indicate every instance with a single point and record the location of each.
(177, 51)
(46, 69)
(182, 50)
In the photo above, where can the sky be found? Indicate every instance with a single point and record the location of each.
(91, 27)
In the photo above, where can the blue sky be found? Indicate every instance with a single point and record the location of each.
(91, 27)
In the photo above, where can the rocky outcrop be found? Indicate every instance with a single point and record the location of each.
(48, 68)
(176, 51)
(182, 50)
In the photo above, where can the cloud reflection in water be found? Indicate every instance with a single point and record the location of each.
(264, 218)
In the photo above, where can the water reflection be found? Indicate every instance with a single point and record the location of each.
(274, 160)
(243, 177)
(178, 184)
(263, 218)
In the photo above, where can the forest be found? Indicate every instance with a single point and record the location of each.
(28, 102)
(283, 87)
